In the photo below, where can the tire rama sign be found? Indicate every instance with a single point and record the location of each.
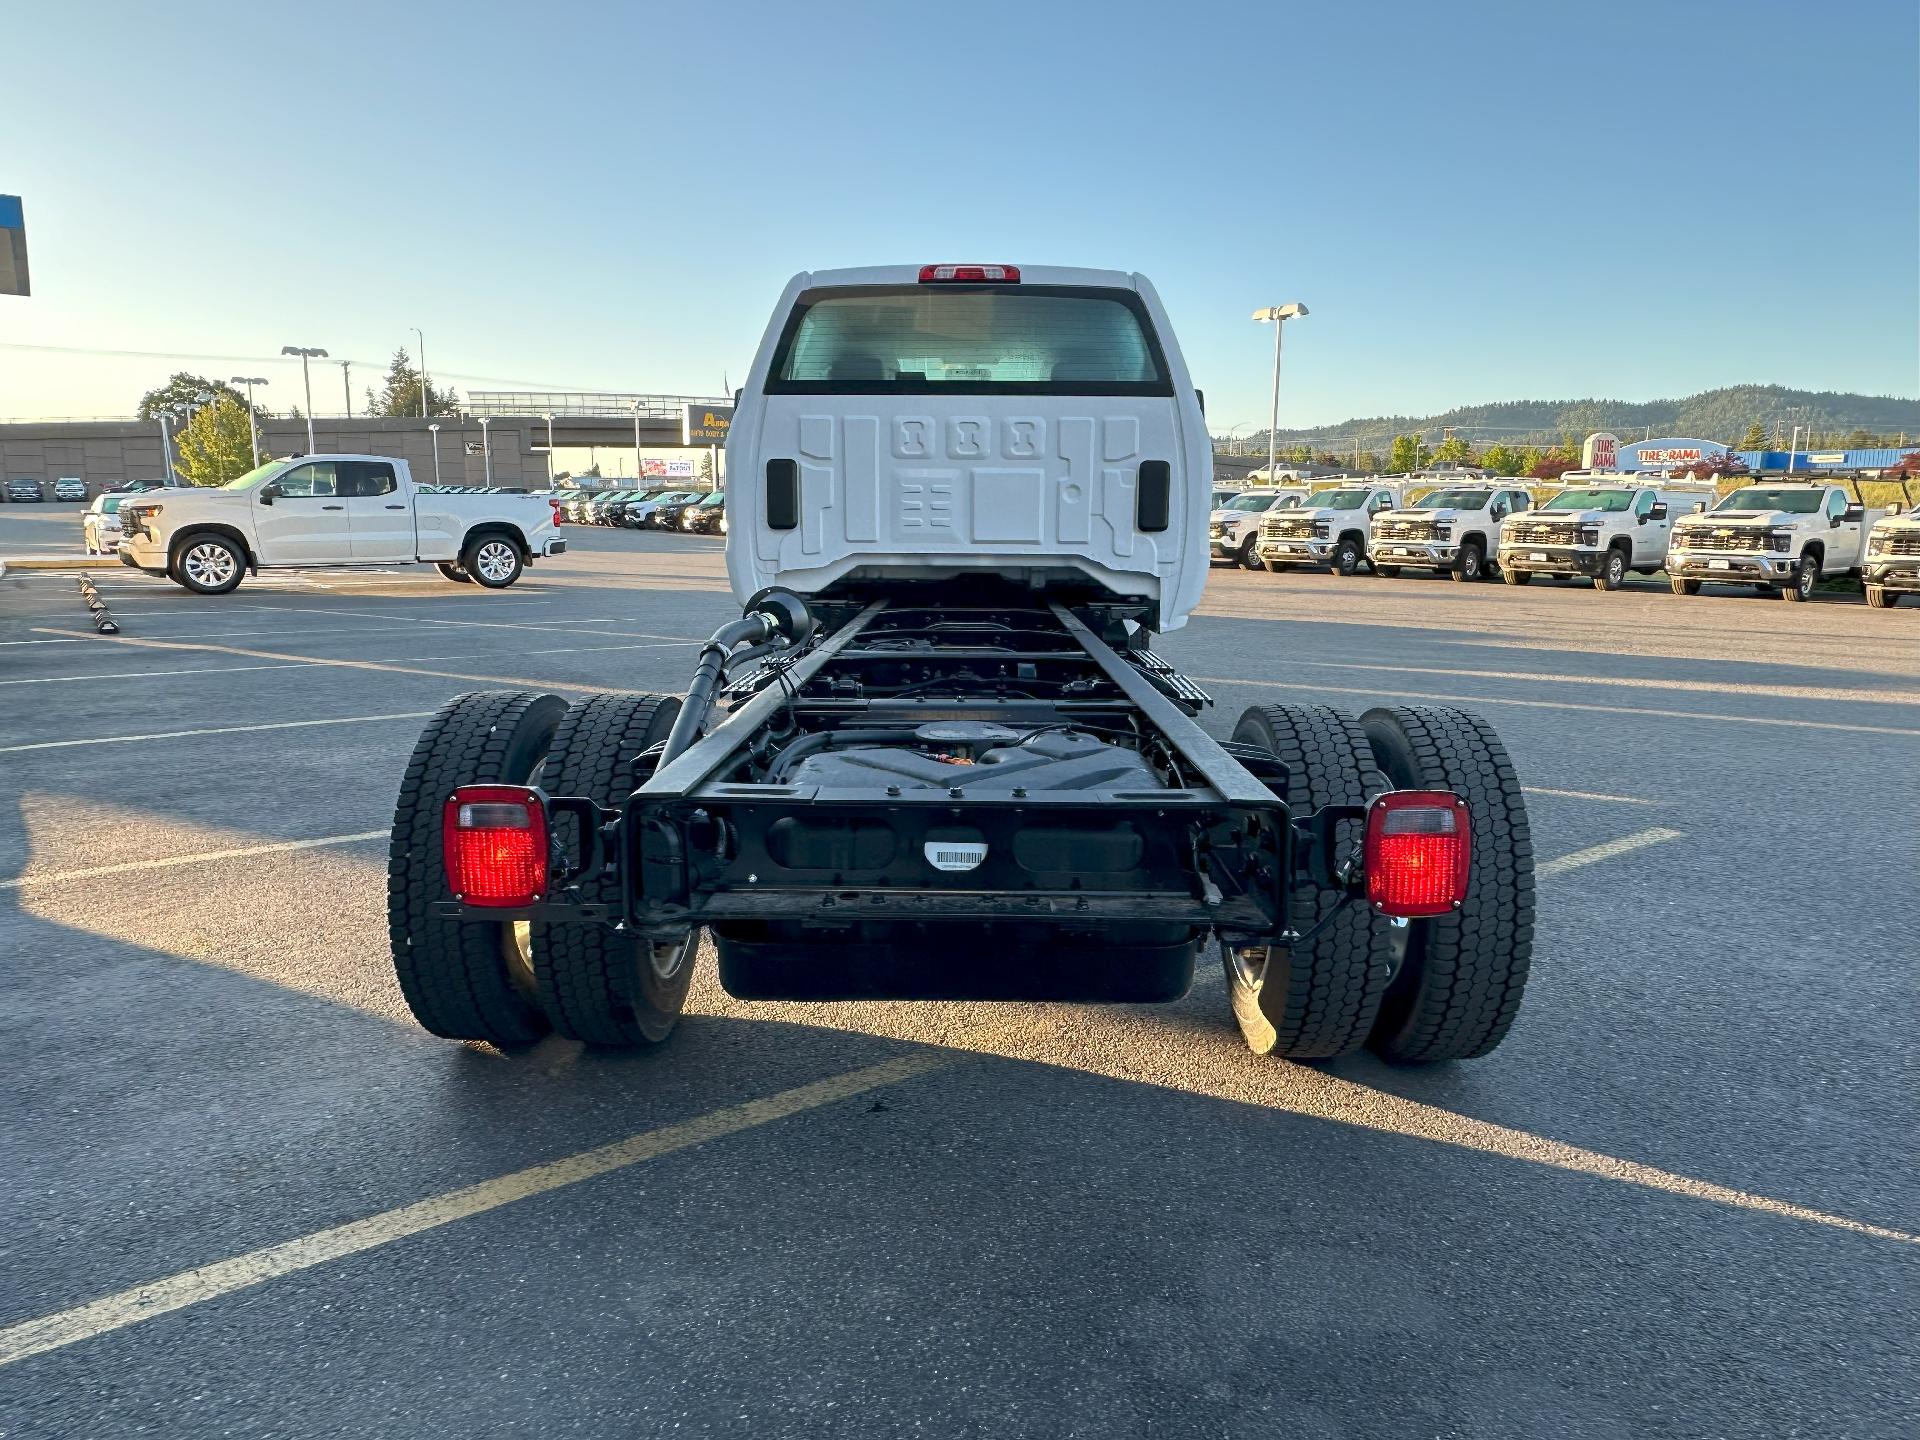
(705, 424)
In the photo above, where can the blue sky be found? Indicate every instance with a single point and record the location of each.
(1478, 202)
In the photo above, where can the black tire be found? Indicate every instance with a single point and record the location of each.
(1511, 576)
(1459, 988)
(1472, 564)
(1881, 598)
(597, 984)
(1387, 572)
(1249, 559)
(1613, 570)
(1277, 567)
(207, 564)
(1683, 586)
(493, 560)
(461, 978)
(453, 572)
(1347, 556)
(1317, 1000)
(1806, 575)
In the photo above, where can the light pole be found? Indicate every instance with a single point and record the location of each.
(549, 437)
(422, 358)
(1229, 435)
(166, 446)
(486, 449)
(1277, 316)
(636, 440)
(306, 353)
(253, 430)
(346, 384)
(434, 429)
(1793, 449)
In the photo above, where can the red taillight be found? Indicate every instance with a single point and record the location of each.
(969, 274)
(1419, 847)
(559, 512)
(494, 838)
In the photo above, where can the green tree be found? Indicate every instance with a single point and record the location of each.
(1504, 459)
(399, 393)
(1409, 453)
(1754, 439)
(215, 445)
(184, 390)
(1454, 450)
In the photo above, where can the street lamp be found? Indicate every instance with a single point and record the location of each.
(166, 445)
(253, 431)
(636, 439)
(435, 429)
(549, 436)
(1229, 435)
(421, 356)
(306, 353)
(1277, 315)
(486, 449)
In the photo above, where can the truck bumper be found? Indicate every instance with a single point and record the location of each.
(1740, 567)
(1894, 573)
(1551, 560)
(1416, 552)
(1296, 552)
(554, 546)
(141, 553)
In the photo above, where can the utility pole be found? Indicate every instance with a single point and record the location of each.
(422, 358)
(306, 353)
(253, 429)
(166, 446)
(346, 384)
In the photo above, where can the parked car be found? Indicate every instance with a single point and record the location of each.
(1781, 538)
(69, 487)
(1331, 527)
(707, 517)
(332, 511)
(665, 514)
(1454, 529)
(23, 490)
(1234, 529)
(599, 509)
(1893, 557)
(640, 514)
(100, 526)
(134, 487)
(1602, 527)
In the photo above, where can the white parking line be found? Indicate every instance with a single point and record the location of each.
(61, 876)
(1593, 854)
(150, 674)
(1584, 795)
(223, 1277)
(213, 730)
(1717, 718)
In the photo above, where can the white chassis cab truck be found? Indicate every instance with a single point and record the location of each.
(1233, 530)
(936, 756)
(1455, 529)
(1893, 556)
(1603, 527)
(333, 511)
(1331, 527)
(1780, 538)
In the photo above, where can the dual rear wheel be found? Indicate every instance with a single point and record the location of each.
(1416, 992)
(507, 982)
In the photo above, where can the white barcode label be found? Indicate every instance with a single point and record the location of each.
(955, 854)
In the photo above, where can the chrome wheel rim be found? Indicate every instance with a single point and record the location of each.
(495, 560)
(209, 564)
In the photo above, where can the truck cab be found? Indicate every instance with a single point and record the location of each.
(1602, 527)
(928, 423)
(1331, 527)
(1780, 538)
(1454, 528)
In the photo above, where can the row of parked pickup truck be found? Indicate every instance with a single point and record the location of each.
(1781, 538)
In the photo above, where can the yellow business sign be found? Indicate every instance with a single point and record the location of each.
(705, 424)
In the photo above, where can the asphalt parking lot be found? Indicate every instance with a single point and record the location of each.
(1679, 1200)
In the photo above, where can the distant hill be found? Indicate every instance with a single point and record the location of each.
(1722, 414)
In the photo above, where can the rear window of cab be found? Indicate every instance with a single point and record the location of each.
(969, 340)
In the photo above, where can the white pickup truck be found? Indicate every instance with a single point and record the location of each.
(1455, 529)
(1602, 526)
(1782, 538)
(1893, 557)
(333, 511)
(1233, 530)
(1331, 527)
